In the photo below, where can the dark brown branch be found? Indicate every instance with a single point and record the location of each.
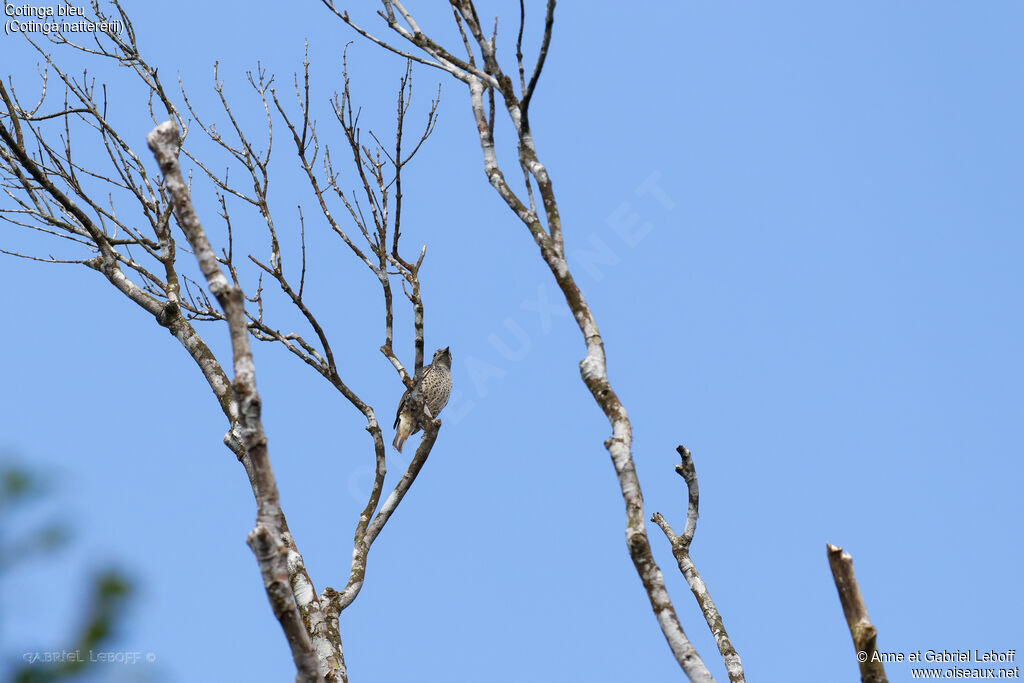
(862, 630)
(519, 46)
(549, 22)
(345, 18)
(13, 115)
(108, 264)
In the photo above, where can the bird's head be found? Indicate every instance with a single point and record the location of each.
(444, 357)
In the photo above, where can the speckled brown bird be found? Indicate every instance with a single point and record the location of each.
(433, 386)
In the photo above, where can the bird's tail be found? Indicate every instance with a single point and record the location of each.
(403, 432)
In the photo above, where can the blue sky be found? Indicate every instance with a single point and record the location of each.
(822, 302)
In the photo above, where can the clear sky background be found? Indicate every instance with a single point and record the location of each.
(825, 307)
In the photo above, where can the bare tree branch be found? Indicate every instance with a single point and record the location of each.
(339, 601)
(681, 551)
(549, 22)
(266, 538)
(863, 632)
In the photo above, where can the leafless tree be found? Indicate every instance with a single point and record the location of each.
(120, 221)
(49, 191)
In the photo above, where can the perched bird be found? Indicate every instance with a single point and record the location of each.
(432, 387)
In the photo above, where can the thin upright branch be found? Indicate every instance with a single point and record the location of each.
(549, 22)
(863, 632)
(681, 551)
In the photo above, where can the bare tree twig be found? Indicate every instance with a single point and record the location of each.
(863, 632)
(681, 551)
(549, 22)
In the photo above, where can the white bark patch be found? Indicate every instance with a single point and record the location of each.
(303, 590)
(513, 113)
(539, 171)
(246, 370)
(216, 379)
(589, 329)
(217, 281)
(562, 270)
(621, 459)
(591, 368)
(294, 560)
(622, 432)
(654, 576)
(323, 648)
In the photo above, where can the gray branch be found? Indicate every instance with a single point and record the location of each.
(681, 551)
(266, 538)
(862, 631)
